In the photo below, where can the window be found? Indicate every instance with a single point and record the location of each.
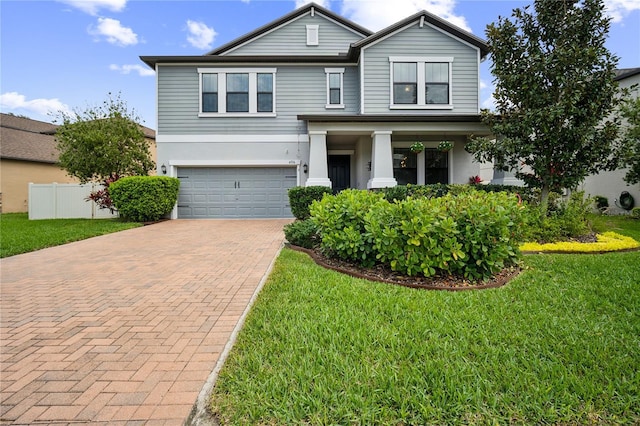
(405, 166)
(436, 83)
(210, 93)
(237, 92)
(265, 92)
(405, 83)
(436, 166)
(420, 82)
(335, 81)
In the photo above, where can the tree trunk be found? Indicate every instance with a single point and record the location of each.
(544, 198)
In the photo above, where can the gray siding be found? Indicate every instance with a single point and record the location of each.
(416, 41)
(291, 39)
(299, 90)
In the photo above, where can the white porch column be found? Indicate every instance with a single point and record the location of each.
(381, 161)
(318, 170)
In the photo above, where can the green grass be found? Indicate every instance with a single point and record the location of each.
(18, 234)
(621, 224)
(560, 344)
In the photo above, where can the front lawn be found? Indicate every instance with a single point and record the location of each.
(18, 234)
(559, 344)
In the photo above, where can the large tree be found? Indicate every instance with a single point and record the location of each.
(631, 152)
(103, 143)
(555, 95)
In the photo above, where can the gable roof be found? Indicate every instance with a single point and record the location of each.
(25, 139)
(433, 20)
(218, 55)
(309, 8)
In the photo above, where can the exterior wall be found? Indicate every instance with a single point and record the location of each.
(611, 184)
(416, 41)
(291, 39)
(299, 90)
(15, 177)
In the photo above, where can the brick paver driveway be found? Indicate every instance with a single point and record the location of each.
(126, 328)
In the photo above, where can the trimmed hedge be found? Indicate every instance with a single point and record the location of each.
(144, 198)
(303, 233)
(401, 192)
(301, 197)
(341, 221)
(474, 233)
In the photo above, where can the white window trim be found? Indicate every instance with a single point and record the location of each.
(340, 71)
(222, 91)
(421, 94)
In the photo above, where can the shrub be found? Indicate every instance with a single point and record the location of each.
(602, 203)
(341, 223)
(635, 212)
(303, 233)
(474, 234)
(144, 198)
(301, 197)
(562, 221)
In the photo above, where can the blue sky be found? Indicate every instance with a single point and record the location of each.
(69, 54)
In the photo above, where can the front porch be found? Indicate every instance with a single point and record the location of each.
(356, 152)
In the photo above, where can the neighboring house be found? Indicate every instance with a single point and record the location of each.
(612, 184)
(28, 154)
(315, 99)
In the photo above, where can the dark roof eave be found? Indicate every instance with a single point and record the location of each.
(381, 118)
(152, 61)
(623, 73)
(30, 160)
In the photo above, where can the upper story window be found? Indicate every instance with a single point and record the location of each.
(234, 92)
(420, 82)
(313, 35)
(335, 84)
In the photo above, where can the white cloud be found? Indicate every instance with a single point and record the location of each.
(92, 7)
(619, 9)
(14, 100)
(323, 3)
(114, 32)
(201, 36)
(127, 69)
(378, 14)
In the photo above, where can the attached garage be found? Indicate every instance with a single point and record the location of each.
(235, 192)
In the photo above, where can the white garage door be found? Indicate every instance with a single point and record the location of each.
(235, 192)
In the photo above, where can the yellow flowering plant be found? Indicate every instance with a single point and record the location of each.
(607, 241)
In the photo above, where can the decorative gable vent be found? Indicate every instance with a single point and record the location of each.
(312, 35)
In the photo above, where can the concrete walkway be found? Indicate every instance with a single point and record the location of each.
(126, 328)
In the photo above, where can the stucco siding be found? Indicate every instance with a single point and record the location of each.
(291, 39)
(15, 177)
(299, 90)
(415, 41)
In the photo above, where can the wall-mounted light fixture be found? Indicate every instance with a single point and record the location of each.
(305, 168)
(164, 169)
(369, 166)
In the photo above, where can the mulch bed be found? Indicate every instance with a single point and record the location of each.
(384, 274)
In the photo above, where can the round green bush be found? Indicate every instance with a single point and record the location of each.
(144, 198)
(301, 197)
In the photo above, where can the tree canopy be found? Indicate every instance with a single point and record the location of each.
(555, 95)
(631, 112)
(104, 142)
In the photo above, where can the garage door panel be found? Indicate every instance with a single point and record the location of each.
(207, 192)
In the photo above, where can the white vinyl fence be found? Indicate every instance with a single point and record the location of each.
(64, 201)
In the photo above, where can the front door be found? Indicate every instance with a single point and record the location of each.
(340, 172)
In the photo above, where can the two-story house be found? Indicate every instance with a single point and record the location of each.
(315, 99)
